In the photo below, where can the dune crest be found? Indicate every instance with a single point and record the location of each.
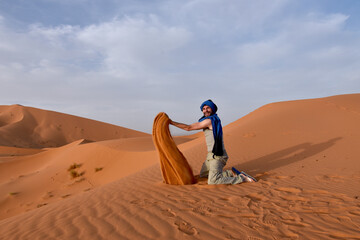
(29, 127)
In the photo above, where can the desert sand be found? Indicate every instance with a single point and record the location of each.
(65, 177)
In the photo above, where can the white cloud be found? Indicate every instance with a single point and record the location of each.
(133, 45)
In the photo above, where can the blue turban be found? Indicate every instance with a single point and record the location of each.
(210, 104)
(216, 127)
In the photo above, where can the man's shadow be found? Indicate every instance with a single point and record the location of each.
(285, 157)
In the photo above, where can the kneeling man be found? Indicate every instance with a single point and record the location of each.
(216, 157)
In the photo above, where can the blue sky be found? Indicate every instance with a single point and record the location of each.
(122, 62)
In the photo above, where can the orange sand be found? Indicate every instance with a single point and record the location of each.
(304, 153)
(28, 127)
(174, 167)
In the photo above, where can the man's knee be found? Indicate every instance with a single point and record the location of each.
(214, 179)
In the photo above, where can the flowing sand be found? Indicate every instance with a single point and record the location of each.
(304, 153)
(175, 169)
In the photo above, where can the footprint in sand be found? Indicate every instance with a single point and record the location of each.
(239, 201)
(181, 224)
(168, 212)
(185, 227)
(203, 210)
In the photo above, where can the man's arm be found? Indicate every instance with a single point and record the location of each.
(195, 126)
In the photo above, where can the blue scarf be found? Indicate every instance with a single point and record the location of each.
(216, 127)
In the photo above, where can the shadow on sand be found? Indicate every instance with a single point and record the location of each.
(285, 157)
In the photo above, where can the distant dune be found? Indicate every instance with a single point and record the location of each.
(304, 153)
(35, 128)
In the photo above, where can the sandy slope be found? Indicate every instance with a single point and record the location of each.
(40, 177)
(31, 127)
(305, 153)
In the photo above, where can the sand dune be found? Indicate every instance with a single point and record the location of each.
(35, 128)
(305, 154)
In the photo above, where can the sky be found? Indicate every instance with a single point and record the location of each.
(124, 61)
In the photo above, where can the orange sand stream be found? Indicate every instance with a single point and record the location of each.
(174, 167)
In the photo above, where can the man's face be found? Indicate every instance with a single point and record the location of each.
(207, 111)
